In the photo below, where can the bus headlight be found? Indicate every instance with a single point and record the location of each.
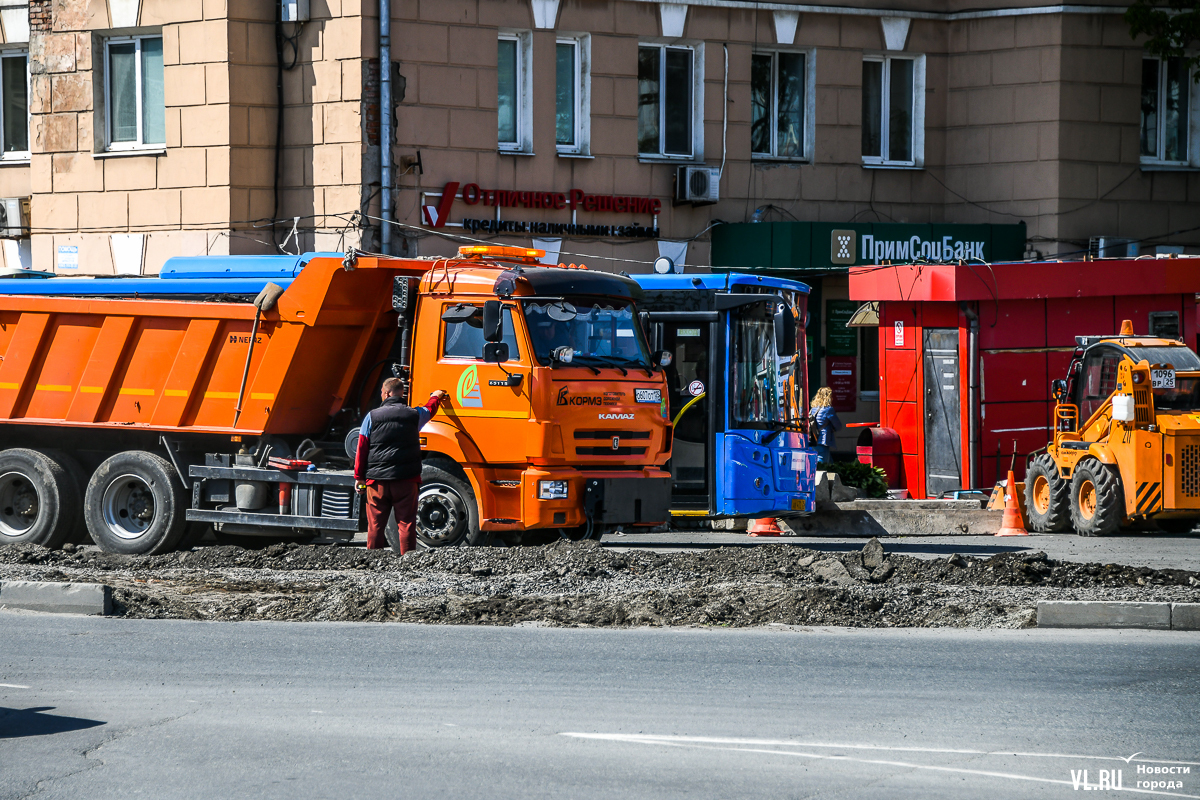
(552, 490)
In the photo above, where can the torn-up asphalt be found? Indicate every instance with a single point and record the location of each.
(585, 585)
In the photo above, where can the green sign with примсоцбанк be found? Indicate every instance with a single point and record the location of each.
(835, 247)
(839, 339)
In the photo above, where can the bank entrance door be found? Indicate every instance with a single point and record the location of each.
(943, 415)
(687, 337)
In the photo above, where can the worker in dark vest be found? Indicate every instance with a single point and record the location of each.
(387, 465)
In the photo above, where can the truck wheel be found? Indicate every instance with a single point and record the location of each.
(39, 503)
(79, 532)
(1047, 497)
(1097, 504)
(447, 513)
(135, 505)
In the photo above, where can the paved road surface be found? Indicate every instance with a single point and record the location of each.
(1157, 551)
(95, 708)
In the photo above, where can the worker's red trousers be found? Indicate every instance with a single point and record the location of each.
(382, 498)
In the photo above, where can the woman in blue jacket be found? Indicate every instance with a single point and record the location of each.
(823, 421)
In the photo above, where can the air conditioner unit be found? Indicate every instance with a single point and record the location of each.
(697, 184)
(1112, 247)
(14, 218)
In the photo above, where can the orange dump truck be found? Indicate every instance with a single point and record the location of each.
(227, 391)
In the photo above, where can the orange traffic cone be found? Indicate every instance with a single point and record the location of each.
(1012, 525)
(766, 526)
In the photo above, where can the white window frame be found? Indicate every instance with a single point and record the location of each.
(524, 143)
(697, 48)
(918, 114)
(1193, 140)
(138, 144)
(16, 155)
(582, 43)
(810, 105)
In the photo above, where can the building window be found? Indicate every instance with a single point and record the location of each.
(572, 86)
(137, 114)
(1167, 108)
(14, 105)
(893, 110)
(668, 101)
(778, 98)
(514, 128)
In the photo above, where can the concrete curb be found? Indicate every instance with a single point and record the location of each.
(1116, 614)
(57, 598)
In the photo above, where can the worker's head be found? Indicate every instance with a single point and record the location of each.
(823, 397)
(392, 387)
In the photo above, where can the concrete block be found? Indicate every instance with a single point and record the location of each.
(1185, 616)
(59, 598)
(1099, 614)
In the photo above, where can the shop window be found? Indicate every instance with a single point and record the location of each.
(1168, 105)
(868, 363)
(135, 105)
(669, 101)
(779, 93)
(514, 128)
(571, 95)
(14, 105)
(893, 110)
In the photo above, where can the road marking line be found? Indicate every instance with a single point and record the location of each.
(699, 743)
(645, 737)
(13, 686)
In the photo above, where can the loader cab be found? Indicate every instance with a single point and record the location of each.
(1093, 374)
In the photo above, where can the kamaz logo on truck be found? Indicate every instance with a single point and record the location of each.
(615, 416)
(565, 399)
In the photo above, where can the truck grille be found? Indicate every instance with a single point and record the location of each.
(1189, 469)
(610, 451)
(336, 502)
(609, 434)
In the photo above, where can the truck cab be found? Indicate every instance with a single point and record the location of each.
(736, 393)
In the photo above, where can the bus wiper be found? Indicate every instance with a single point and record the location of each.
(779, 427)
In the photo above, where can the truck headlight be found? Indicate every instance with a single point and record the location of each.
(552, 490)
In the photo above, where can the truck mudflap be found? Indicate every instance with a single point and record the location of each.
(627, 501)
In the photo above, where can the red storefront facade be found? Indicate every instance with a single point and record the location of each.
(968, 351)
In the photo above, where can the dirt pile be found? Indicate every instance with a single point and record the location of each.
(586, 584)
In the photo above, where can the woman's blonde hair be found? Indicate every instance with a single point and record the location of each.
(823, 397)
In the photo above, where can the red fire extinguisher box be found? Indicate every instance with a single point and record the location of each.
(967, 352)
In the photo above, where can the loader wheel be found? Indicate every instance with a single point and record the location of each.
(39, 503)
(1097, 504)
(135, 505)
(1047, 497)
(447, 513)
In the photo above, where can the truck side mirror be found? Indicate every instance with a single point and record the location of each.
(491, 321)
(785, 333)
(495, 352)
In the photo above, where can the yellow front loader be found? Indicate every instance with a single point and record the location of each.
(1126, 447)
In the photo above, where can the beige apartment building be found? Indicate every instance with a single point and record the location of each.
(605, 129)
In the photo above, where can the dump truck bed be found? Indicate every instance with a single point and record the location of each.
(154, 353)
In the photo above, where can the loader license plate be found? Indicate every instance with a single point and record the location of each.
(1162, 379)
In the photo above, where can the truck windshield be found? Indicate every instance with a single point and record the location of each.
(600, 331)
(755, 400)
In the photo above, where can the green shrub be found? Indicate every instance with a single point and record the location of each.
(870, 481)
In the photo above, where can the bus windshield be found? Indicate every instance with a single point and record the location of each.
(598, 331)
(755, 399)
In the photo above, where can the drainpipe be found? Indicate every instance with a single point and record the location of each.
(385, 124)
(972, 394)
